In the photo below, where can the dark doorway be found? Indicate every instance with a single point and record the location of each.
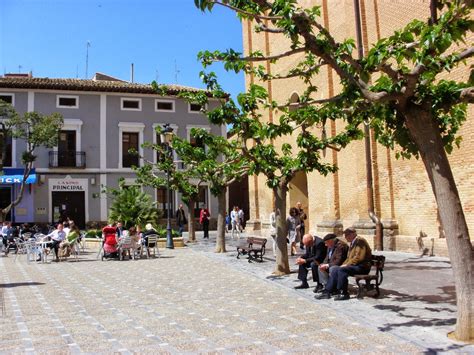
(239, 196)
(67, 149)
(6, 199)
(69, 205)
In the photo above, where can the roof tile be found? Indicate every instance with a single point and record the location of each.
(88, 85)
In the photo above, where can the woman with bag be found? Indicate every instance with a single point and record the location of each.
(293, 225)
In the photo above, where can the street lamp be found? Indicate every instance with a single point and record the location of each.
(166, 137)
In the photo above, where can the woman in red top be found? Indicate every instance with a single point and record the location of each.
(204, 220)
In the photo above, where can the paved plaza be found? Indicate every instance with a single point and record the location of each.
(192, 300)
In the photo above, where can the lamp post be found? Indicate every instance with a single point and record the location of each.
(166, 137)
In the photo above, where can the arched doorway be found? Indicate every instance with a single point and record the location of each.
(299, 193)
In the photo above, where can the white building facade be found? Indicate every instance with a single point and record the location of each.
(103, 119)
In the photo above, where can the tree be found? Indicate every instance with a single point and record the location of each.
(279, 164)
(219, 163)
(184, 181)
(131, 206)
(217, 160)
(395, 87)
(36, 130)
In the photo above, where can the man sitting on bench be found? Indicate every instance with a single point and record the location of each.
(314, 256)
(358, 262)
(337, 254)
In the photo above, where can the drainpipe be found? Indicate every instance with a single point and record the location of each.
(368, 152)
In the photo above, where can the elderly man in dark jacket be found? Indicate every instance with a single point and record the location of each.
(336, 255)
(314, 256)
(358, 261)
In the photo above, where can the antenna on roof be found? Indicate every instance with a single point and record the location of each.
(176, 72)
(19, 68)
(77, 71)
(156, 75)
(132, 73)
(88, 44)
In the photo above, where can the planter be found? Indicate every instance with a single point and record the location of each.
(94, 244)
(178, 243)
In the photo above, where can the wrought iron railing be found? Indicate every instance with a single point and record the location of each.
(68, 159)
(129, 160)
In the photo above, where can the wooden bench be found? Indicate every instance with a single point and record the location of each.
(378, 261)
(254, 248)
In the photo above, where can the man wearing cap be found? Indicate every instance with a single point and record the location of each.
(337, 254)
(314, 256)
(358, 262)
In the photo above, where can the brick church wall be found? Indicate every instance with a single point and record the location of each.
(402, 189)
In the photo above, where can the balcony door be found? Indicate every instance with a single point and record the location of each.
(130, 140)
(67, 149)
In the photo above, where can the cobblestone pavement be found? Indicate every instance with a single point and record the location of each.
(417, 301)
(189, 300)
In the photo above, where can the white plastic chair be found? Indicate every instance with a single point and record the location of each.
(152, 239)
(126, 245)
(33, 250)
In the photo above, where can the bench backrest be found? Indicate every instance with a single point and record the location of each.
(378, 261)
(257, 241)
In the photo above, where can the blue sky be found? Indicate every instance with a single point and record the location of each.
(49, 38)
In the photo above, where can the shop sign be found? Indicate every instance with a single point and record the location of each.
(67, 185)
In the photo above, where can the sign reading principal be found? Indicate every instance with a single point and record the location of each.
(67, 184)
(64, 185)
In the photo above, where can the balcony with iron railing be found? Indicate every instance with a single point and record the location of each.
(68, 159)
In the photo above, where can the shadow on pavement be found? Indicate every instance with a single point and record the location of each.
(448, 296)
(453, 347)
(19, 284)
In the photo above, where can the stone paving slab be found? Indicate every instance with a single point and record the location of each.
(417, 301)
(189, 301)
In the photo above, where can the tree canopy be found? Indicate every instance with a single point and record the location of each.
(399, 87)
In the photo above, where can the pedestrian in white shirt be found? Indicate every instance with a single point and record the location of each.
(235, 222)
(57, 236)
(241, 219)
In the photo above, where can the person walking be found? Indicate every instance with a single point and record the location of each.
(273, 230)
(293, 225)
(204, 216)
(181, 220)
(241, 215)
(235, 221)
(303, 217)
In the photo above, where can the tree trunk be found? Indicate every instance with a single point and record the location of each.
(282, 266)
(191, 231)
(221, 207)
(425, 133)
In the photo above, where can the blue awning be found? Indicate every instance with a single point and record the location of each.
(15, 176)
